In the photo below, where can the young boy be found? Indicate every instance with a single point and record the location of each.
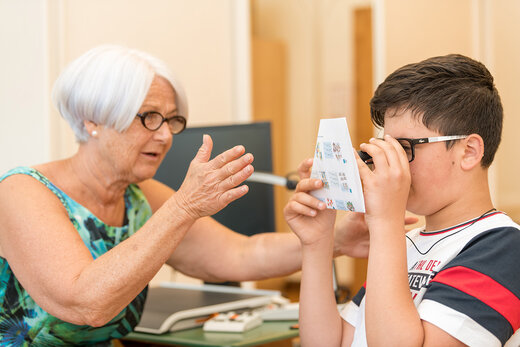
(453, 282)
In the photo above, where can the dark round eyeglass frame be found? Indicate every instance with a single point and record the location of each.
(177, 118)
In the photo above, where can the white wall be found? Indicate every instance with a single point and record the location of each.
(197, 38)
(24, 126)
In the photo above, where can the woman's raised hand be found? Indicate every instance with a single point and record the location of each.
(210, 185)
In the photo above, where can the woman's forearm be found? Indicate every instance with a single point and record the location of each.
(271, 255)
(109, 283)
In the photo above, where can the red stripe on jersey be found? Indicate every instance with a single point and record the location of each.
(485, 289)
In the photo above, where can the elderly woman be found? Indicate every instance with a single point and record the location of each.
(80, 238)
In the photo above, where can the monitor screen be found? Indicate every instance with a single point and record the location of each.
(254, 212)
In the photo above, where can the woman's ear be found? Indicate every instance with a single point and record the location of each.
(91, 127)
(473, 151)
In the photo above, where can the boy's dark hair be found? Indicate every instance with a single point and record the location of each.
(451, 94)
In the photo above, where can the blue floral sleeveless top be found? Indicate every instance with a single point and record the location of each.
(24, 323)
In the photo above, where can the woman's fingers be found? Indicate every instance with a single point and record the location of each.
(226, 157)
(209, 186)
(410, 220)
(236, 171)
(233, 194)
(232, 180)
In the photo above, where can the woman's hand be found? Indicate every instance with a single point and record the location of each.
(306, 215)
(210, 185)
(351, 237)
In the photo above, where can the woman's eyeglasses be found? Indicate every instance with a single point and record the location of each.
(153, 120)
(409, 145)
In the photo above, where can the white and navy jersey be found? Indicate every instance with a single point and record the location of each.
(463, 279)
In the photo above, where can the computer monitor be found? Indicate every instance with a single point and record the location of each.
(252, 213)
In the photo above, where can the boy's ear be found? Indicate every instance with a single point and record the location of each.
(473, 151)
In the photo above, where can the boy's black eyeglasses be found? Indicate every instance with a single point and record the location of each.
(409, 145)
(153, 121)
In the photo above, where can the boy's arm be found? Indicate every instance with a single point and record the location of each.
(320, 322)
(391, 317)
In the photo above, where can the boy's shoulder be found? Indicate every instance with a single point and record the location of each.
(498, 228)
(480, 285)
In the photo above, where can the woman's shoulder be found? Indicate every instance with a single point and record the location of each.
(21, 170)
(31, 183)
(25, 177)
(24, 174)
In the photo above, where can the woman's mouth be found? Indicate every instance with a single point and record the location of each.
(151, 154)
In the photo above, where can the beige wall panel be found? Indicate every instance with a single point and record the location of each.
(506, 48)
(318, 38)
(485, 30)
(419, 29)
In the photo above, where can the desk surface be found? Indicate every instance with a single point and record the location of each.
(265, 333)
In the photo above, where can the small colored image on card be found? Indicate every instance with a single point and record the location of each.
(334, 181)
(343, 182)
(327, 150)
(317, 152)
(336, 149)
(340, 204)
(323, 175)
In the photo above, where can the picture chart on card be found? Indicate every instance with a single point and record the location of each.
(335, 164)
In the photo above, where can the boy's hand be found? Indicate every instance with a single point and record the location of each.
(306, 215)
(385, 187)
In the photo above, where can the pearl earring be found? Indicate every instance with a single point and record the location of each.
(94, 133)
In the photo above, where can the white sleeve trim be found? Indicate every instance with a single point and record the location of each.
(350, 313)
(514, 341)
(457, 324)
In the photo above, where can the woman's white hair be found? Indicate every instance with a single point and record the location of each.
(107, 85)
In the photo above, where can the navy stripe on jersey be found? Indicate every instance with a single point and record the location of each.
(496, 254)
(490, 319)
(491, 256)
(485, 289)
(359, 296)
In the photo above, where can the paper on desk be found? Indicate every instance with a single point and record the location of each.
(335, 164)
